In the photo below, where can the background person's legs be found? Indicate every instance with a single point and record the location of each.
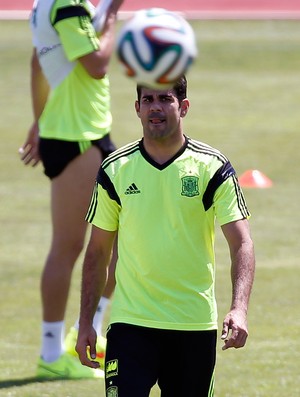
(70, 196)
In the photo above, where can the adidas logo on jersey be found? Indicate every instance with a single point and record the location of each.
(132, 189)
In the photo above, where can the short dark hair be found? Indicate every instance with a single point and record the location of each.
(180, 88)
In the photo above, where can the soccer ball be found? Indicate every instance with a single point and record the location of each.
(156, 47)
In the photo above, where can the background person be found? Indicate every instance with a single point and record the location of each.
(70, 134)
(162, 195)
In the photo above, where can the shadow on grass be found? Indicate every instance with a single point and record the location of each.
(6, 384)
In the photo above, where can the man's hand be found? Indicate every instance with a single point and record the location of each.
(29, 152)
(234, 332)
(86, 347)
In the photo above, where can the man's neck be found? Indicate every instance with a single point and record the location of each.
(162, 150)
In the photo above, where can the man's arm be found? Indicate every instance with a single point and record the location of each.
(94, 275)
(39, 87)
(39, 93)
(240, 244)
(96, 63)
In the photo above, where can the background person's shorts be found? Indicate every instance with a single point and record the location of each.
(57, 154)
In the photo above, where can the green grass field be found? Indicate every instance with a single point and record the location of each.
(245, 94)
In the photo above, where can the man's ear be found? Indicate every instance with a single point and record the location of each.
(137, 108)
(184, 107)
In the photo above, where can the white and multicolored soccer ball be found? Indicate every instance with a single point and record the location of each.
(156, 47)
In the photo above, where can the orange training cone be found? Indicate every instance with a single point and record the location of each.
(254, 178)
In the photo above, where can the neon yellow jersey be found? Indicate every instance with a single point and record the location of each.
(165, 216)
(78, 108)
(84, 116)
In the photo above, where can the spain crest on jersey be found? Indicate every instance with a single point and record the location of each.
(190, 186)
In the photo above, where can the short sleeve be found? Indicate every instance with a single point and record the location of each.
(103, 211)
(77, 36)
(229, 202)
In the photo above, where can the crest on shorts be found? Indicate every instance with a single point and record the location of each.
(190, 186)
(111, 368)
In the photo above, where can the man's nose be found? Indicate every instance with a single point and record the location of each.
(155, 106)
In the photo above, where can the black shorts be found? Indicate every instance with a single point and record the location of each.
(181, 362)
(57, 154)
